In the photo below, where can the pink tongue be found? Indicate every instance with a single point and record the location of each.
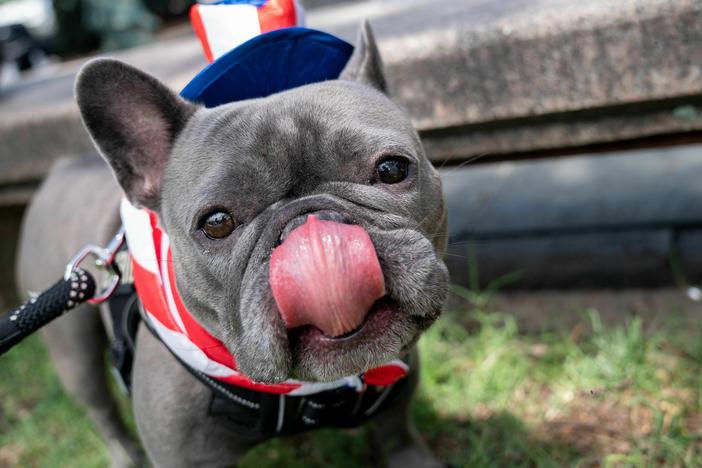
(326, 274)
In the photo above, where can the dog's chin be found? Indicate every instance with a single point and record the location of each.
(306, 353)
(386, 333)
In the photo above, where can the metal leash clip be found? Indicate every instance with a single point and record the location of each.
(105, 261)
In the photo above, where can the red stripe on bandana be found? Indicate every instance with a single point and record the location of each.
(386, 374)
(211, 346)
(241, 381)
(150, 294)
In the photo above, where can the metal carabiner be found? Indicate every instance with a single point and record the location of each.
(105, 259)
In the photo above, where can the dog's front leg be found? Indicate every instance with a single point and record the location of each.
(171, 408)
(395, 434)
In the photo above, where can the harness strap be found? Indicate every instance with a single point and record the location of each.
(257, 414)
(266, 414)
(123, 307)
(262, 414)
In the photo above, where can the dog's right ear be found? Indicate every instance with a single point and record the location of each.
(134, 120)
(365, 64)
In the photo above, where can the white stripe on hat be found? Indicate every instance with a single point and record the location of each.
(227, 26)
(223, 26)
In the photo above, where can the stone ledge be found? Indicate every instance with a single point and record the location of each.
(475, 62)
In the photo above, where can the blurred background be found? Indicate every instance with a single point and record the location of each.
(568, 137)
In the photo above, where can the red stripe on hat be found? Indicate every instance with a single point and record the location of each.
(277, 14)
(200, 32)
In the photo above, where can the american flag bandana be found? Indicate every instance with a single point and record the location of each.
(163, 308)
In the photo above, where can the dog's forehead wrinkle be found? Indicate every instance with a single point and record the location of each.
(343, 100)
(306, 121)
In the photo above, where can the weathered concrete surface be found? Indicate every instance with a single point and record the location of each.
(608, 260)
(478, 62)
(39, 121)
(613, 220)
(478, 76)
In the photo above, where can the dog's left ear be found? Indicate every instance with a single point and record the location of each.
(365, 64)
(134, 120)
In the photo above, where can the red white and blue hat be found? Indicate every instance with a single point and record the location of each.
(284, 56)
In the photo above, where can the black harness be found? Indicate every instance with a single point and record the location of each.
(257, 414)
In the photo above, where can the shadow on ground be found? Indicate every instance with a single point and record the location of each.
(499, 439)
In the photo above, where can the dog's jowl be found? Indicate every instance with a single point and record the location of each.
(305, 231)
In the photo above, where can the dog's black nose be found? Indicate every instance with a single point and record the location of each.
(326, 215)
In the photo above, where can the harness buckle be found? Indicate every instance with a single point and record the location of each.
(105, 261)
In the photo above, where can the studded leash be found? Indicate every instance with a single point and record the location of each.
(76, 287)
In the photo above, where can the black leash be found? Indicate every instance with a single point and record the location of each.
(76, 287)
(38, 311)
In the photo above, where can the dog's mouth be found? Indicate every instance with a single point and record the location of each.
(330, 292)
(326, 275)
(376, 323)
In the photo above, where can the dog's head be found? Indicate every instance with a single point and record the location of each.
(307, 227)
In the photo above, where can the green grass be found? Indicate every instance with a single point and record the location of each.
(490, 396)
(39, 424)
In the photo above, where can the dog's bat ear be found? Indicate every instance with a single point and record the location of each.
(365, 64)
(134, 120)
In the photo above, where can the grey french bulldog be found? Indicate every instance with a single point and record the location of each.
(262, 165)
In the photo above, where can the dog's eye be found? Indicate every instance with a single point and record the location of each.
(218, 225)
(392, 170)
